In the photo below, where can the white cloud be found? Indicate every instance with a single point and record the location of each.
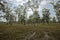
(18, 0)
(43, 2)
(21, 1)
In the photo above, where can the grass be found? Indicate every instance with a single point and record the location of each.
(22, 32)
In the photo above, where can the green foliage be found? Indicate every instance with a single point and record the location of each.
(57, 8)
(54, 20)
(22, 11)
(9, 15)
(18, 12)
(46, 16)
(2, 5)
(35, 18)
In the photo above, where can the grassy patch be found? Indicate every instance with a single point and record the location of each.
(22, 32)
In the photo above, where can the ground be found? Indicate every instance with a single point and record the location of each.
(30, 32)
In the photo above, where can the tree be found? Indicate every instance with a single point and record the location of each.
(8, 15)
(57, 9)
(54, 20)
(21, 11)
(36, 17)
(24, 16)
(2, 5)
(18, 11)
(34, 5)
(46, 14)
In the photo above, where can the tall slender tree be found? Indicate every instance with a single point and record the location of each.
(54, 20)
(8, 15)
(34, 5)
(36, 17)
(18, 11)
(21, 11)
(46, 14)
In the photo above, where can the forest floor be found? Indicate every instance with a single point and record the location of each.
(30, 32)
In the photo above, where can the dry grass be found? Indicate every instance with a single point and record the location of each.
(22, 32)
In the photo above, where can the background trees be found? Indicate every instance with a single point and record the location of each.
(35, 18)
(2, 5)
(54, 20)
(9, 16)
(46, 17)
(22, 10)
(7, 11)
(18, 11)
(57, 9)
